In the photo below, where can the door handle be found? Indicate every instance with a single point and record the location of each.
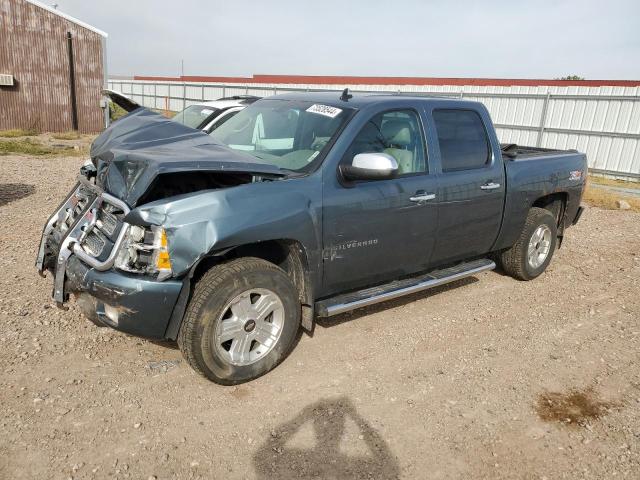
(422, 197)
(490, 186)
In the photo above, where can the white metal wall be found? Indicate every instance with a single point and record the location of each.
(604, 122)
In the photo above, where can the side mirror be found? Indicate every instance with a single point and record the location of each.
(370, 166)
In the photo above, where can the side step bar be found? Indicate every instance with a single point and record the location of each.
(399, 288)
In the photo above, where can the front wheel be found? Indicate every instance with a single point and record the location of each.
(241, 322)
(532, 252)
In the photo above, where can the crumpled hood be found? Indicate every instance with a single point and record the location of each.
(135, 149)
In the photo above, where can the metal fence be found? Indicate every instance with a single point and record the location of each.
(604, 122)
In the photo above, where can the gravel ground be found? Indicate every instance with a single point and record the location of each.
(487, 378)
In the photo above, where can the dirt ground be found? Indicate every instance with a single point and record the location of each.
(487, 378)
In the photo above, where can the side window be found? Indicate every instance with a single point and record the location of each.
(462, 139)
(396, 133)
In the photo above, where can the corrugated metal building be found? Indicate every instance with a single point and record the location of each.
(52, 69)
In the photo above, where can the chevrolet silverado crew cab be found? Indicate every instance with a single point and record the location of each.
(300, 206)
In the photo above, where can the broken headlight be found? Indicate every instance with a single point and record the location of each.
(144, 250)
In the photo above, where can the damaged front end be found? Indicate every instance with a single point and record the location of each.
(120, 268)
(81, 244)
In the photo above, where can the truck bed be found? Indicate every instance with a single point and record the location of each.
(513, 151)
(533, 172)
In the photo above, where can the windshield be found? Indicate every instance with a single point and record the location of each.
(194, 115)
(289, 134)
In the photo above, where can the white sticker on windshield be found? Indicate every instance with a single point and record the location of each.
(325, 110)
(206, 112)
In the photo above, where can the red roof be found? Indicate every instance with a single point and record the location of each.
(352, 80)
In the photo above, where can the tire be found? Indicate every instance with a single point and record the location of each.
(518, 261)
(219, 336)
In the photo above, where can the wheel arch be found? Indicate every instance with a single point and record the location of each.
(288, 254)
(556, 203)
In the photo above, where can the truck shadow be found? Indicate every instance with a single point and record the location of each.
(398, 302)
(329, 440)
(10, 192)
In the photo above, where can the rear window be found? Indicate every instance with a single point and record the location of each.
(462, 138)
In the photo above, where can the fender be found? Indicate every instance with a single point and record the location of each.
(204, 223)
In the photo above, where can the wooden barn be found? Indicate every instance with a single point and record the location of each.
(52, 69)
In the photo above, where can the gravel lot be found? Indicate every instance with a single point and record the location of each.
(488, 378)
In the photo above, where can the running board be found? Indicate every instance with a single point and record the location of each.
(399, 288)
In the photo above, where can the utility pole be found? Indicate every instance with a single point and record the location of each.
(184, 85)
(72, 83)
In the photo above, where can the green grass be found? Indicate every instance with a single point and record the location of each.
(29, 147)
(71, 135)
(115, 112)
(18, 132)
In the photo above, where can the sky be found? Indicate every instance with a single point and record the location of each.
(431, 38)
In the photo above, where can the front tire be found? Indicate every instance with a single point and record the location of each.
(242, 321)
(532, 252)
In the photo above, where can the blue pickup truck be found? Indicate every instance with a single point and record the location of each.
(300, 206)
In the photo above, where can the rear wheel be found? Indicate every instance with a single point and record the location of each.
(532, 252)
(241, 321)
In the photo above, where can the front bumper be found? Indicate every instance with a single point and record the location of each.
(129, 303)
(136, 304)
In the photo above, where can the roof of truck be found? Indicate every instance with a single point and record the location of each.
(358, 99)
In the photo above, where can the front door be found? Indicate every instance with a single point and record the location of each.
(379, 230)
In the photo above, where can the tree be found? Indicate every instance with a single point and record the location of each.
(571, 77)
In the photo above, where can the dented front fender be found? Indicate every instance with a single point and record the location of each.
(201, 223)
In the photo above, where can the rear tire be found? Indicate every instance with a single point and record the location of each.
(532, 252)
(241, 322)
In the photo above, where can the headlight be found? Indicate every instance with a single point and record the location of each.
(144, 250)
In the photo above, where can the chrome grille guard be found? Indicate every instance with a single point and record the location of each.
(75, 235)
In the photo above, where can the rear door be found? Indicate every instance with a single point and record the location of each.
(471, 184)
